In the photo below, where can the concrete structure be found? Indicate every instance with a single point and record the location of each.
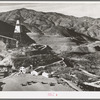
(16, 40)
(17, 32)
(14, 36)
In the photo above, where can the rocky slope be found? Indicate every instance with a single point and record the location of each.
(40, 23)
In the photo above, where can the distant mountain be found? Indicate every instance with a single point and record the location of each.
(51, 23)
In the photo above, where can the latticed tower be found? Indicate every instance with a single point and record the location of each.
(18, 31)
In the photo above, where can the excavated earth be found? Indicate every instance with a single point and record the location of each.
(36, 55)
(70, 70)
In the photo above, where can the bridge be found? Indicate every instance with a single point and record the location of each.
(10, 42)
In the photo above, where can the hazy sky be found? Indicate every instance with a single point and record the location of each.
(75, 9)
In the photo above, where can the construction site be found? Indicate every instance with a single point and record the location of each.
(28, 66)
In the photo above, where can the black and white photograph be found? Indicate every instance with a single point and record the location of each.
(50, 46)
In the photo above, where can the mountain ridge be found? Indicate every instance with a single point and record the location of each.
(52, 23)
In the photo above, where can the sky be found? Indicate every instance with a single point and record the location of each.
(75, 9)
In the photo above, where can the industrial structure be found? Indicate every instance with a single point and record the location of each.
(17, 33)
(15, 41)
